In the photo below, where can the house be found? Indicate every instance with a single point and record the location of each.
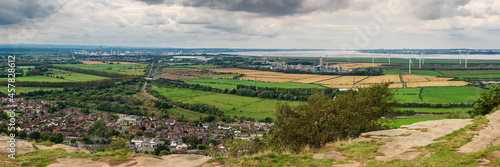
(182, 146)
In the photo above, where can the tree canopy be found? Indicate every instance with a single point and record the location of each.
(321, 119)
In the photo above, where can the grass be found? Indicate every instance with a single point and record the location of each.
(221, 86)
(46, 157)
(472, 74)
(411, 120)
(190, 67)
(218, 76)
(32, 89)
(413, 72)
(253, 83)
(232, 105)
(407, 95)
(176, 113)
(129, 69)
(443, 151)
(437, 110)
(69, 76)
(450, 94)
(274, 159)
(179, 93)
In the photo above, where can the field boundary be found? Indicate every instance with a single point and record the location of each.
(420, 95)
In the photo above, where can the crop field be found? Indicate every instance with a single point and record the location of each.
(129, 69)
(100, 62)
(69, 76)
(190, 67)
(407, 95)
(218, 76)
(473, 74)
(343, 81)
(437, 110)
(253, 83)
(177, 113)
(413, 72)
(178, 93)
(232, 105)
(220, 86)
(450, 94)
(239, 105)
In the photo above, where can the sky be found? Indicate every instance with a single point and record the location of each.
(279, 24)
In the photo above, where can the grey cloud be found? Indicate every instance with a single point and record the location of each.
(436, 9)
(262, 7)
(16, 11)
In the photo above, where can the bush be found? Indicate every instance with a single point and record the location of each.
(322, 120)
(486, 102)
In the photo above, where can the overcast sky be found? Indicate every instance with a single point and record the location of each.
(314, 24)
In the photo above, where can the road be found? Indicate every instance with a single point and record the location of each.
(146, 83)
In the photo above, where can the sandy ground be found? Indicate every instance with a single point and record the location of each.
(399, 142)
(22, 146)
(175, 160)
(486, 137)
(65, 147)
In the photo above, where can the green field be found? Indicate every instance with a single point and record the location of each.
(450, 94)
(473, 74)
(411, 120)
(407, 95)
(179, 93)
(232, 105)
(413, 72)
(221, 86)
(436, 110)
(218, 76)
(129, 69)
(175, 113)
(31, 89)
(253, 83)
(190, 67)
(69, 76)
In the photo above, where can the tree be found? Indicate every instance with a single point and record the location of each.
(322, 119)
(486, 102)
(201, 146)
(73, 141)
(58, 138)
(161, 148)
(118, 144)
(45, 136)
(23, 134)
(34, 135)
(98, 128)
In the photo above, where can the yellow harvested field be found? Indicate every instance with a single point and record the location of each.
(100, 62)
(383, 78)
(436, 83)
(393, 85)
(342, 81)
(316, 79)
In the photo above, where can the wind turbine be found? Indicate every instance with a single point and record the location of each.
(410, 63)
(466, 59)
(373, 60)
(420, 60)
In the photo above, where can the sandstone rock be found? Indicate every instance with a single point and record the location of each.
(329, 155)
(486, 136)
(354, 164)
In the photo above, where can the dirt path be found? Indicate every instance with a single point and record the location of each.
(189, 111)
(486, 137)
(174, 160)
(400, 142)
